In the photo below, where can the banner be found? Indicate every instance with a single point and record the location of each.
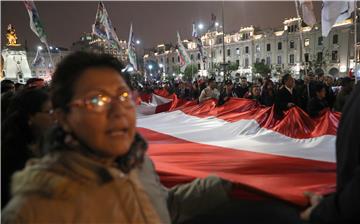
(131, 49)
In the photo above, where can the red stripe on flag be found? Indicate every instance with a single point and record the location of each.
(285, 178)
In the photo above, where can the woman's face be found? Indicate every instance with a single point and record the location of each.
(109, 131)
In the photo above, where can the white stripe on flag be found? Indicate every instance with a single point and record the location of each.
(241, 135)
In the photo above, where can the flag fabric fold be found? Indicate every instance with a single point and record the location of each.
(131, 49)
(334, 12)
(103, 27)
(183, 55)
(308, 14)
(244, 143)
(198, 42)
(35, 23)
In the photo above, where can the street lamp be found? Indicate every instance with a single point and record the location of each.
(161, 65)
(216, 24)
(39, 48)
(51, 47)
(150, 67)
(138, 42)
(201, 26)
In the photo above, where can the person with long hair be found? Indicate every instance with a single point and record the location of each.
(28, 116)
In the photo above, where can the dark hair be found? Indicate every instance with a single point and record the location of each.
(318, 87)
(212, 79)
(15, 128)
(30, 83)
(62, 87)
(69, 71)
(7, 85)
(285, 78)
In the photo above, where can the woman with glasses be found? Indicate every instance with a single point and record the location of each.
(88, 174)
(28, 116)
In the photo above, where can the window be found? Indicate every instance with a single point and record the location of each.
(319, 56)
(292, 59)
(334, 55)
(307, 42)
(257, 48)
(178, 59)
(306, 55)
(246, 50)
(228, 52)
(220, 51)
(199, 66)
(229, 62)
(268, 60)
(246, 62)
(191, 56)
(279, 62)
(335, 39)
(268, 47)
(279, 45)
(162, 60)
(173, 60)
(292, 44)
(257, 60)
(198, 56)
(237, 51)
(238, 62)
(167, 60)
(320, 41)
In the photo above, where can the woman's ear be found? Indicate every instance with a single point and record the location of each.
(61, 118)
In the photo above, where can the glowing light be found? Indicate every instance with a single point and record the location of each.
(343, 68)
(150, 67)
(201, 26)
(138, 42)
(216, 24)
(161, 65)
(39, 48)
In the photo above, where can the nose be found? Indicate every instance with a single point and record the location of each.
(117, 110)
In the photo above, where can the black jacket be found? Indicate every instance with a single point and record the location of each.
(344, 205)
(282, 99)
(316, 105)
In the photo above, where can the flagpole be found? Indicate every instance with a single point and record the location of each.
(301, 35)
(223, 39)
(355, 42)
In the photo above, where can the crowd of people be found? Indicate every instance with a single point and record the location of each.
(71, 151)
(312, 94)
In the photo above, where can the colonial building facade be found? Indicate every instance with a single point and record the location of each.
(281, 49)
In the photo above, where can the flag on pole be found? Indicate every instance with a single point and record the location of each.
(307, 9)
(212, 21)
(131, 49)
(103, 27)
(198, 42)
(35, 23)
(333, 12)
(184, 57)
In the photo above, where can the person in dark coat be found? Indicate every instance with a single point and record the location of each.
(344, 94)
(317, 103)
(330, 94)
(227, 92)
(242, 88)
(268, 94)
(343, 206)
(286, 97)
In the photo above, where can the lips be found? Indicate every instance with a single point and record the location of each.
(117, 132)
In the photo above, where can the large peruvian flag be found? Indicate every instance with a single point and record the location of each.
(243, 142)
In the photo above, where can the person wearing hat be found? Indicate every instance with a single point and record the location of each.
(227, 92)
(210, 92)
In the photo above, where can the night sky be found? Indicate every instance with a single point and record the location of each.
(153, 22)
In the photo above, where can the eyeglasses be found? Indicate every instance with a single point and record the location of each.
(102, 102)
